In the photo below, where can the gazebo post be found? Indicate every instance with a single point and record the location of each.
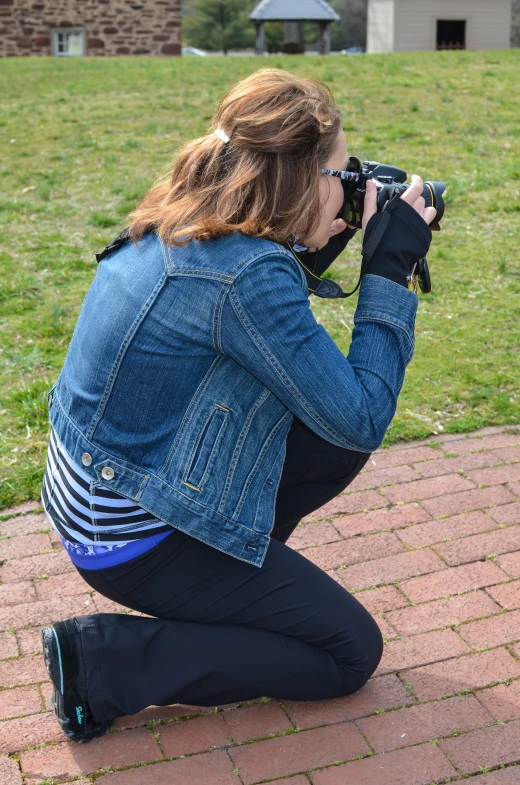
(259, 48)
(324, 38)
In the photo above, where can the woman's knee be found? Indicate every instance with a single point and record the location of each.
(364, 659)
(374, 646)
(350, 464)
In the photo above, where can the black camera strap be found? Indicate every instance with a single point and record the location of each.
(120, 240)
(321, 287)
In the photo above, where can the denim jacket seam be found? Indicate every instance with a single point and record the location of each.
(272, 511)
(190, 412)
(229, 278)
(386, 320)
(112, 458)
(216, 331)
(239, 444)
(260, 457)
(193, 272)
(166, 254)
(269, 255)
(414, 301)
(233, 295)
(217, 328)
(112, 376)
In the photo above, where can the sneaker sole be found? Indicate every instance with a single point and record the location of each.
(52, 660)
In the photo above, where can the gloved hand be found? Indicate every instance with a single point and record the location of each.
(395, 239)
(319, 260)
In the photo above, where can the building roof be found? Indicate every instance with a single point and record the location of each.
(294, 10)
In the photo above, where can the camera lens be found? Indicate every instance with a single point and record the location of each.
(432, 193)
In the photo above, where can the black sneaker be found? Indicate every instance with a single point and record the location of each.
(61, 646)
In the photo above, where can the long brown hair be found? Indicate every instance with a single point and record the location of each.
(265, 181)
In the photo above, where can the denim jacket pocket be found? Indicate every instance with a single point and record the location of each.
(206, 447)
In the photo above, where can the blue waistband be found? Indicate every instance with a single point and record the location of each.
(99, 557)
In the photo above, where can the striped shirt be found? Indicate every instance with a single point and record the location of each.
(98, 527)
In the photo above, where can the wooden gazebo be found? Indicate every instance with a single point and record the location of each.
(317, 11)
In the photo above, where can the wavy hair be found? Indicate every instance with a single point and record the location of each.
(264, 182)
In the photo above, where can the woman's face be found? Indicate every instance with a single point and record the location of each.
(331, 195)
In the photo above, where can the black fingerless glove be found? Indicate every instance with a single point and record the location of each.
(395, 239)
(320, 260)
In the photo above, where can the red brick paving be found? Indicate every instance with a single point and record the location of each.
(451, 676)
(8, 645)
(428, 539)
(418, 765)
(415, 724)
(197, 735)
(9, 771)
(506, 513)
(502, 701)
(19, 701)
(515, 487)
(440, 530)
(308, 749)
(210, 767)
(465, 501)
(387, 518)
(386, 598)
(489, 747)
(253, 722)
(430, 647)
(453, 581)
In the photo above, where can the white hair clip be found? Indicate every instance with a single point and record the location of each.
(219, 132)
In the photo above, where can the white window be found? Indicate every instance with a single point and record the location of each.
(68, 41)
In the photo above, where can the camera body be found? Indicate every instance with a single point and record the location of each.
(389, 180)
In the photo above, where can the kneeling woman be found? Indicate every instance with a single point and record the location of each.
(202, 412)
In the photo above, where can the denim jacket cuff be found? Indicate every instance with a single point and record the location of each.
(384, 300)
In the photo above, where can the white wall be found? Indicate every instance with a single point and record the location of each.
(380, 26)
(488, 24)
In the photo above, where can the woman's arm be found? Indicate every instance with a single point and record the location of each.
(267, 326)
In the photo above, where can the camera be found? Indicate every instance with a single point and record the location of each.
(389, 180)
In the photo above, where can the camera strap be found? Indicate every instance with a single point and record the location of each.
(321, 287)
(120, 240)
(381, 221)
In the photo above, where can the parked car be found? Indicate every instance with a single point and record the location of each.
(353, 50)
(191, 50)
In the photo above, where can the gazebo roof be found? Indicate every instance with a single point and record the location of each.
(294, 11)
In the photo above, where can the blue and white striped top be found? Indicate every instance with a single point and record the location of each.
(98, 527)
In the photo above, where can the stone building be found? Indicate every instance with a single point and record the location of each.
(90, 27)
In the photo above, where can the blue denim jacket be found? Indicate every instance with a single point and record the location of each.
(187, 365)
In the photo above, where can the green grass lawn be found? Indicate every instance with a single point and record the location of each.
(83, 139)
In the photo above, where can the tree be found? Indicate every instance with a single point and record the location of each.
(219, 24)
(351, 30)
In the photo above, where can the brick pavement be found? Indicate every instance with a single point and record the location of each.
(427, 537)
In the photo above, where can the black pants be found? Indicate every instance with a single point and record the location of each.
(225, 630)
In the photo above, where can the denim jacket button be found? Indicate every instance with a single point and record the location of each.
(86, 459)
(107, 473)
